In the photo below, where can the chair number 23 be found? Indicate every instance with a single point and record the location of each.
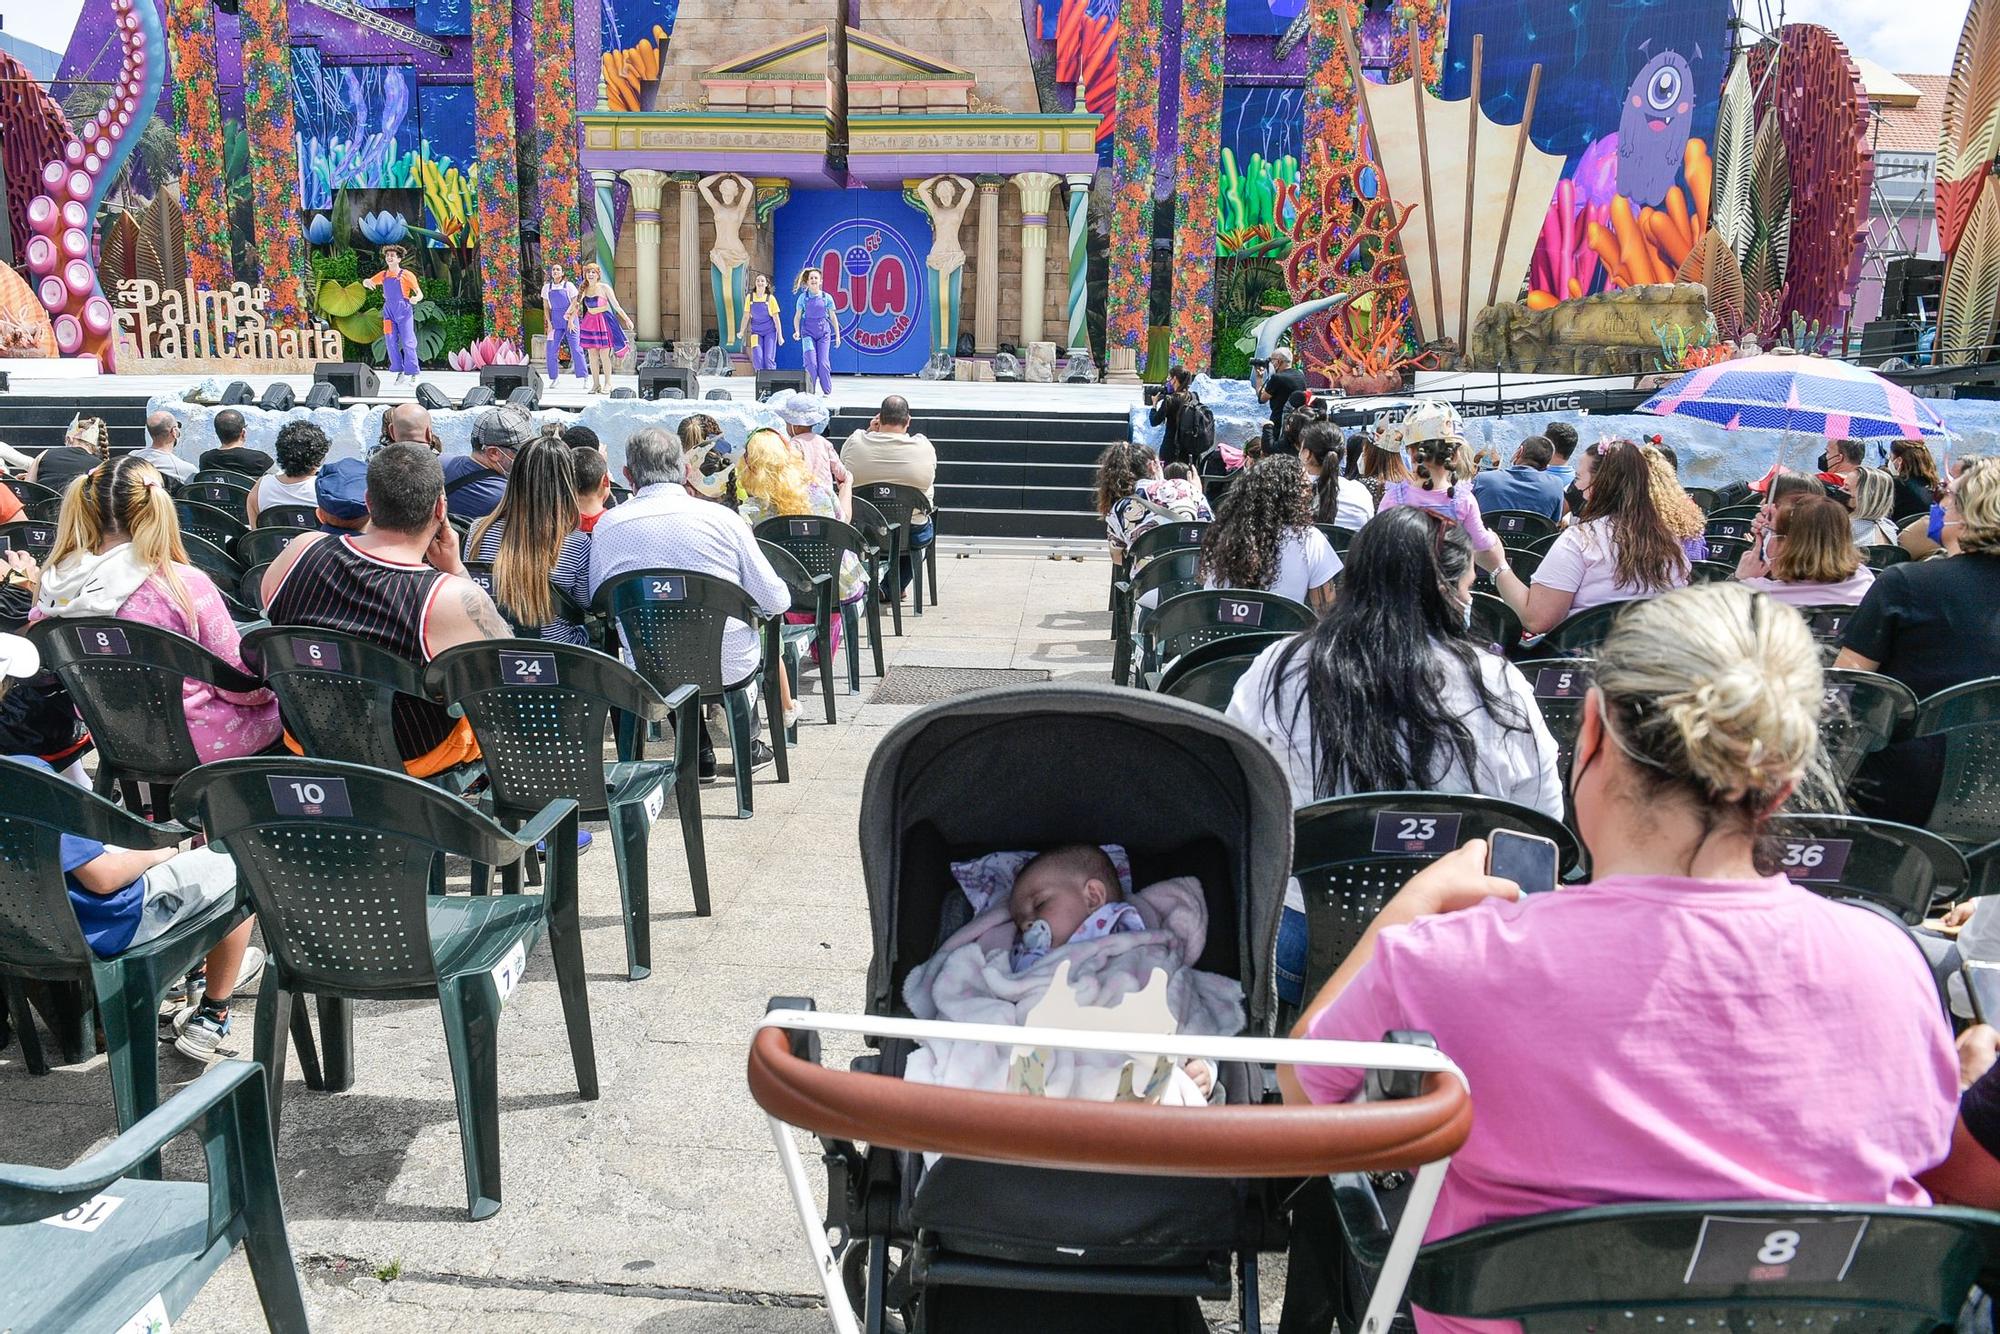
(1417, 829)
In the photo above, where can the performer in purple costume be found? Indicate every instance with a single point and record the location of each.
(596, 315)
(817, 328)
(399, 315)
(766, 336)
(557, 297)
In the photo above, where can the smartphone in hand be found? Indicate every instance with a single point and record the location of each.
(1529, 860)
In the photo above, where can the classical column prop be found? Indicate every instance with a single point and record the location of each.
(1079, 263)
(646, 186)
(606, 195)
(986, 290)
(1035, 188)
(689, 343)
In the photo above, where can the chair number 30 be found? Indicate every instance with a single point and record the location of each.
(1417, 829)
(1809, 856)
(1780, 1248)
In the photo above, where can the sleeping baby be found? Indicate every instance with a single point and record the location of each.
(1068, 893)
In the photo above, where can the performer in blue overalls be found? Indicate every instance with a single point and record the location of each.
(766, 333)
(557, 297)
(817, 328)
(399, 315)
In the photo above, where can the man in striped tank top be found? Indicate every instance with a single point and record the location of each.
(398, 583)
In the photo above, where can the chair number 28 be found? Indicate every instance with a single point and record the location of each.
(1780, 1248)
(1809, 856)
(1416, 829)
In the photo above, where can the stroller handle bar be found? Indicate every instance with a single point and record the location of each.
(1417, 1134)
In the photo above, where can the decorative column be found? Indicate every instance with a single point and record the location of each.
(1035, 188)
(687, 348)
(646, 185)
(1135, 145)
(1079, 263)
(1196, 181)
(986, 290)
(606, 194)
(266, 31)
(499, 166)
(554, 32)
(945, 199)
(198, 113)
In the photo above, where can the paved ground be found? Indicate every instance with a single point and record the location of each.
(659, 1206)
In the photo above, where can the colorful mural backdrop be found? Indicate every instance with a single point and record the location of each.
(198, 117)
(869, 247)
(1195, 182)
(1132, 165)
(267, 116)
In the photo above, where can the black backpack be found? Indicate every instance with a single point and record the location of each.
(1195, 435)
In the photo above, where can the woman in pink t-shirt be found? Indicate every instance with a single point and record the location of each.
(1682, 1027)
(1437, 487)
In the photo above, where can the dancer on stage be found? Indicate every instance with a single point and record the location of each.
(817, 328)
(766, 336)
(595, 307)
(558, 295)
(399, 315)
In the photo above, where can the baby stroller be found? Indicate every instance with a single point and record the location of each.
(987, 1246)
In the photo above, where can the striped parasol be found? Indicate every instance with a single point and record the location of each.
(1807, 395)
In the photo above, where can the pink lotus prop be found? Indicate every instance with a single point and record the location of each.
(488, 351)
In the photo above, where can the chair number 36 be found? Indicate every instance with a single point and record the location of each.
(1417, 829)
(1780, 1248)
(309, 794)
(1809, 856)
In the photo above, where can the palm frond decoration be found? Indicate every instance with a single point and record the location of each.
(118, 252)
(1713, 264)
(1771, 198)
(1972, 283)
(162, 251)
(1970, 138)
(1735, 133)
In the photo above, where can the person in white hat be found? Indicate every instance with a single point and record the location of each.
(805, 416)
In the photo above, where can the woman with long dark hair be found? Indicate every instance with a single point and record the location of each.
(1918, 486)
(1134, 494)
(1264, 537)
(534, 543)
(1389, 692)
(1622, 548)
(1337, 500)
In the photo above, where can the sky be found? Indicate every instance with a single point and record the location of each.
(1882, 30)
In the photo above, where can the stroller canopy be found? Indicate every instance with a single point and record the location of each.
(1185, 790)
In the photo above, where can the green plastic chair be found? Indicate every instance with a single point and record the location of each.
(1727, 550)
(539, 711)
(96, 1245)
(879, 534)
(897, 503)
(1517, 528)
(812, 594)
(287, 516)
(1881, 557)
(822, 545)
(1494, 622)
(1710, 572)
(1207, 675)
(41, 941)
(1968, 718)
(1351, 854)
(31, 494)
(211, 523)
(1579, 634)
(1340, 539)
(229, 497)
(1703, 498)
(1189, 620)
(1742, 1265)
(672, 623)
(1905, 870)
(337, 859)
(37, 537)
(1863, 712)
(1178, 536)
(1167, 575)
(261, 545)
(1559, 686)
(1729, 526)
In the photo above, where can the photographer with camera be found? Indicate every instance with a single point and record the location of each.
(1275, 382)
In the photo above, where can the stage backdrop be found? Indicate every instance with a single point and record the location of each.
(870, 245)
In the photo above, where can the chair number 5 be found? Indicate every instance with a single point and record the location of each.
(1418, 829)
(1780, 1248)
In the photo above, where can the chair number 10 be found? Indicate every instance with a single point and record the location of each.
(309, 794)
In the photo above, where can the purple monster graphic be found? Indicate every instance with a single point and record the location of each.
(1653, 128)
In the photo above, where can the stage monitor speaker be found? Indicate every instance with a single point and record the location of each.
(3, 382)
(278, 397)
(525, 397)
(322, 395)
(718, 396)
(1911, 288)
(623, 391)
(655, 379)
(1883, 339)
(770, 382)
(238, 394)
(504, 380)
(350, 379)
(479, 396)
(433, 398)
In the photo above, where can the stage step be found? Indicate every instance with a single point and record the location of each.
(35, 422)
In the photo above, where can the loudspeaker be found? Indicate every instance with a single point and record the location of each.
(238, 393)
(1909, 284)
(350, 379)
(525, 397)
(479, 396)
(623, 392)
(433, 398)
(770, 382)
(278, 397)
(654, 379)
(322, 395)
(1882, 339)
(717, 395)
(504, 380)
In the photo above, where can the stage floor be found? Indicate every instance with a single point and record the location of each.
(850, 392)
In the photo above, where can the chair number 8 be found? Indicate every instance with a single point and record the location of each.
(1780, 1248)
(103, 640)
(1426, 830)
(1807, 855)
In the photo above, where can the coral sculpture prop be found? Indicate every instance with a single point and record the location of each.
(1086, 38)
(488, 351)
(58, 253)
(628, 72)
(1339, 248)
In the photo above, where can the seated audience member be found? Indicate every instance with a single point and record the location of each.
(1388, 693)
(37, 716)
(1843, 459)
(1524, 484)
(805, 416)
(578, 436)
(1133, 495)
(163, 432)
(1381, 468)
(1874, 491)
(1970, 1174)
(1918, 486)
(1166, 413)
(1811, 559)
(1562, 447)
(1682, 517)
(1931, 624)
(889, 451)
(86, 444)
(1335, 499)
(230, 453)
(663, 527)
(398, 583)
(409, 423)
(534, 545)
(593, 486)
(1264, 538)
(118, 552)
(301, 449)
(1762, 1068)
(340, 494)
(474, 482)
(1438, 487)
(124, 898)
(1622, 548)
